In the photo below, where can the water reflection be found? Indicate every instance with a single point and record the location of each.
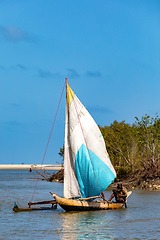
(138, 221)
(82, 225)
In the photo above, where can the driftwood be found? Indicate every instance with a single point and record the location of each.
(56, 177)
(41, 174)
(59, 176)
(46, 172)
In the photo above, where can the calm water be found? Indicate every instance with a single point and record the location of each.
(141, 220)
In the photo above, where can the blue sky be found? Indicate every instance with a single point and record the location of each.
(108, 49)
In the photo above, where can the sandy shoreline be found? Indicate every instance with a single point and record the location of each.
(32, 166)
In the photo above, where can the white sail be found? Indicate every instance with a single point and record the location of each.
(87, 167)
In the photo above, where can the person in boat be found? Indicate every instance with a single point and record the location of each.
(120, 194)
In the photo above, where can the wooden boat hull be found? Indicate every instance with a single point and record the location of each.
(78, 205)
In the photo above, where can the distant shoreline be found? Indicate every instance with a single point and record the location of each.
(30, 166)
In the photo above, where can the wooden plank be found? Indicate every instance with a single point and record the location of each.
(89, 198)
(42, 202)
(129, 193)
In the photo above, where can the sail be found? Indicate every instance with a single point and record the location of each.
(87, 168)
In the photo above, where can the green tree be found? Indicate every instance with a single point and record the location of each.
(61, 153)
(121, 143)
(148, 130)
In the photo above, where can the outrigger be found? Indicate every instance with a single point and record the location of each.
(53, 206)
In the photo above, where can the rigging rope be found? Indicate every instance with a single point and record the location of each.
(47, 143)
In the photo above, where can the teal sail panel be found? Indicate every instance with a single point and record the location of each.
(93, 175)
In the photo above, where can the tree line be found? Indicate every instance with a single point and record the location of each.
(133, 146)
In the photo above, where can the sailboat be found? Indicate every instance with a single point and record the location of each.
(88, 170)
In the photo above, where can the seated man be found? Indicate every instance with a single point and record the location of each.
(120, 194)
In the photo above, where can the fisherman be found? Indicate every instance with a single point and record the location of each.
(120, 194)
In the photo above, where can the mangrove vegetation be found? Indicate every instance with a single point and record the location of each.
(135, 146)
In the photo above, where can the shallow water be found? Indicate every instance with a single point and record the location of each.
(141, 220)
